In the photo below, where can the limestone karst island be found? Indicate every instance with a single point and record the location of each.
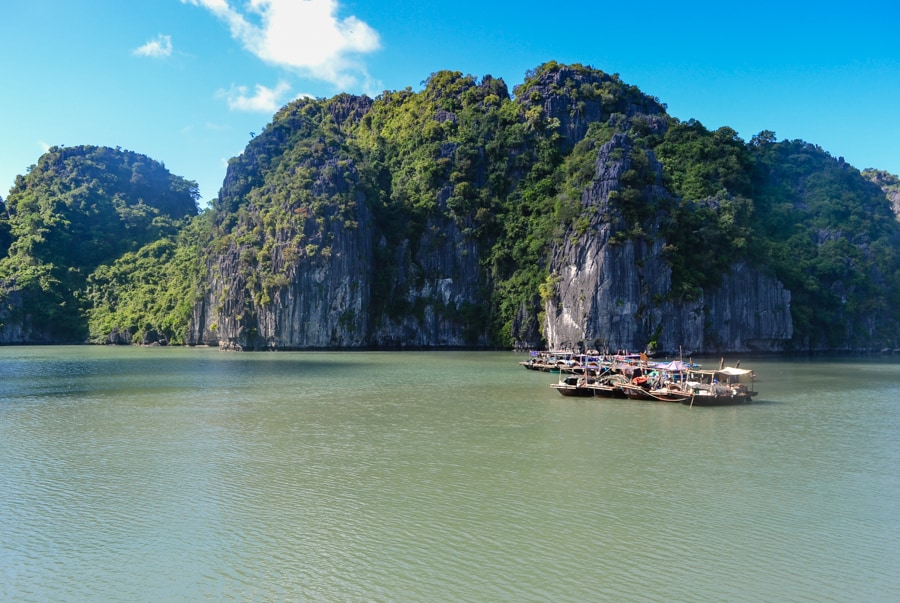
(571, 210)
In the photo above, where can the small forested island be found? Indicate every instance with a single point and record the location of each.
(573, 212)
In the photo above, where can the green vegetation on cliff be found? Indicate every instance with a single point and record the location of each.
(76, 210)
(104, 242)
(831, 237)
(147, 295)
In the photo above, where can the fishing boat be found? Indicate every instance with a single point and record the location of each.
(640, 388)
(590, 375)
(575, 385)
(634, 376)
(609, 386)
(727, 385)
(550, 362)
(657, 381)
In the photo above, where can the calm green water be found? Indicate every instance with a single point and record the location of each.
(130, 474)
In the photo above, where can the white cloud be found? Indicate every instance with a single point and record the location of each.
(161, 47)
(263, 99)
(306, 36)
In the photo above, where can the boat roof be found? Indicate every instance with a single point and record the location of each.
(728, 370)
(675, 365)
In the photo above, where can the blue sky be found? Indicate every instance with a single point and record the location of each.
(187, 81)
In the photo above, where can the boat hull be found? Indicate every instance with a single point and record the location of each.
(608, 391)
(720, 399)
(636, 392)
(574, 386)
(575, 391)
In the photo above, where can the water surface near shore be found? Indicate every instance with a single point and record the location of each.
(145, 474)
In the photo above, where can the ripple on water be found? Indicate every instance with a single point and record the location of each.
(284, 478)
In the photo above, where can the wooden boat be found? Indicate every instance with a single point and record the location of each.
(536, 362)
(609, 386)
(655, 381)
(637, 389)
(575, 385)
(571, 362)
(727, 385)
(633, 376)
(550, 362)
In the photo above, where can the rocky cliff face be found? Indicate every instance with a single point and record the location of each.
(433, 286)
(336, 276)
(325, 298)
(575, 212)
(324, 243)
(615, 294)
(317, 296)
(576, 98)
(889, 184)
(17, 326)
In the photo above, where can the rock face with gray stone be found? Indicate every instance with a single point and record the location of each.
(340, 277)
(614, 294)
(573, 213)
(326, 299)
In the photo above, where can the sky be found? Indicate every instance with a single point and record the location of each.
(189, 82)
